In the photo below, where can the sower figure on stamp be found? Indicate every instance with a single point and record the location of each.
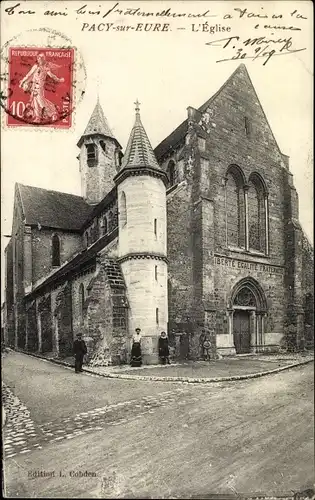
(34, 83)
(136, 356)
(79, 351)
(164, 352)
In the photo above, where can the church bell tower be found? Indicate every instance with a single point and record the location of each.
(141, 189)
(100, 157)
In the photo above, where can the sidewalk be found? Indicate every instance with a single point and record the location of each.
(230, 368)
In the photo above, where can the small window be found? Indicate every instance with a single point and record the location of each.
(157, 315)
(55, 251)
(91, 153)
(123, 210)
(155, 227)
(105, 225)
(87, 238)
(171, 172)
(156, 272)
(247, 126)
(103, 145)
(119, 157)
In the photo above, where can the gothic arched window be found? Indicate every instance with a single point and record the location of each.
(256, 214)
(171, 172)
(87, 238)
(55, 254)
(235, 207)
(123, 210)
(105, 225)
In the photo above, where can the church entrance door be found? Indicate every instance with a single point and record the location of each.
(241, 331)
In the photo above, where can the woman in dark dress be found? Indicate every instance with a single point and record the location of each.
(164, 352)
(136, 357)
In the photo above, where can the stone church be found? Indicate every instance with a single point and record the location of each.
(200, 236)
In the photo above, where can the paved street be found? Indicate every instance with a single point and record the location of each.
(153, 439)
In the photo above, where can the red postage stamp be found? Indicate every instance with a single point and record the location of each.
(40, 87)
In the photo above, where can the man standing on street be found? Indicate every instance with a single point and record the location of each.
(79, 351)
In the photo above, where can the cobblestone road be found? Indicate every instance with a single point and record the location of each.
(22, 435)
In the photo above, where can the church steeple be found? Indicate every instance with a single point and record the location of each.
(97, 124)
(139, 155)
(139, 152)
(100, 157)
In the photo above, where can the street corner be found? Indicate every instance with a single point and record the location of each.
(220, 370)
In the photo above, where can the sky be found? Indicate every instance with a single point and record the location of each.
(167, 72)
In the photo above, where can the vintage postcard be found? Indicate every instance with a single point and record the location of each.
(157, 317)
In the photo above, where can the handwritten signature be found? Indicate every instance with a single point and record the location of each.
(254, 48)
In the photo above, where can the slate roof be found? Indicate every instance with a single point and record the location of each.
(52, 208)
(179, 133)
(139, 152)
(97, 124)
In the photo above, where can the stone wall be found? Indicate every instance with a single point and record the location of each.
(145, 203)
(31, 344)
(18, 228)
(97, 179)
(308, 291)
(106, 316)
(62, 321)
(199, 285)
(70, 243)
(9, 296)
(78, 309)
(48, 342)
(104, 223)
(180, 257)
(183, 240)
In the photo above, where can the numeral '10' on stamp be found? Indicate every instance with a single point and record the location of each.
(40, 89)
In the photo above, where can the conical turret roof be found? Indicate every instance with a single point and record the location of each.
(139, 152)
(97, 124)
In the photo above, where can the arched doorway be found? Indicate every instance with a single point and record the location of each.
(247, 311)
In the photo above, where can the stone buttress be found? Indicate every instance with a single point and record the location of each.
(106, 314)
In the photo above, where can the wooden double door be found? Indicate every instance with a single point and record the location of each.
(241, 331)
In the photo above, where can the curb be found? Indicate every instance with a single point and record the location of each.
(187, 380)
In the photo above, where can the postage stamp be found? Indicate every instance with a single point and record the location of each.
(40, 87)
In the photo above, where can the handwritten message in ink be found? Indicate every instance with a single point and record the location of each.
(231, 32)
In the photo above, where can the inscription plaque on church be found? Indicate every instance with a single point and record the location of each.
(251, 266)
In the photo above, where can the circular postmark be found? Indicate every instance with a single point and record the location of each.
(44, 79)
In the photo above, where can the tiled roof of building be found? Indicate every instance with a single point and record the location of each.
(53, 208)
(98, 124)
(179, 133)
(139, 152)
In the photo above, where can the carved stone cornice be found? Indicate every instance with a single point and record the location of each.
(143, 255)
(137, 171)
